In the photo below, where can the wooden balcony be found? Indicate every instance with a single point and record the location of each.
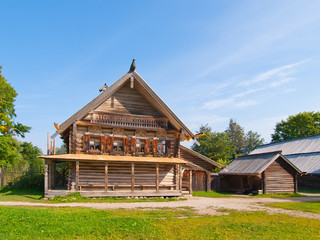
(139, 122)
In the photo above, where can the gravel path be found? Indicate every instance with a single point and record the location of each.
(202, 205)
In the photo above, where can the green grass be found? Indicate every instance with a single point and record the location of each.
(37, 196)
(83, 223)
(309, 191)
(302, 206)
(279, 195)
(212, 194)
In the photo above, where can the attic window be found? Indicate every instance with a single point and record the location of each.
(94, 144)
(161, 147)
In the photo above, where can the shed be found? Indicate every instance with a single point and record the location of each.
(304, 153)
(268, 172)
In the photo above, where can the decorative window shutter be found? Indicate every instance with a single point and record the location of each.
(109, 144)
(85, 143)
(147, 146)
(133, 145)
(154, 145)
(168, 147)
(103, 143)
(125, 144)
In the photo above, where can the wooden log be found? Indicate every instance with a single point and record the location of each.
(77, 175)
(208, 181)
(157, 177)
(132, 177)
(54, 146)
(74, 137)
(1, 177)
(106, 177)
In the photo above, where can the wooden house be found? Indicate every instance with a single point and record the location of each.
(304, 154)
(266, 172)
(126, 142)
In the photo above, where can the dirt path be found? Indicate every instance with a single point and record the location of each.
(202, 205)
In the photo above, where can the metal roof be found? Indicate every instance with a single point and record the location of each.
(308, 162)
(294, 146)
(252, 164)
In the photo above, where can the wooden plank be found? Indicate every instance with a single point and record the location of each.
(48, 148)
(77, 175)
(208, 181)
(132, 177)
(157, 177)
(106, 177)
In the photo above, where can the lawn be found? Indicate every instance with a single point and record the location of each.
(214, 194)
(37, 196)
(83, 223)
(303, 206)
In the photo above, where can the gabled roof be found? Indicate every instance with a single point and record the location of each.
(202, 157)
(307, 162)
(254, 164)
(294, 146)
(148, 93)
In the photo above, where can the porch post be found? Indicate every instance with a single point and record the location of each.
(45, 177)
(190, 181)
(180, 178)
(1, 178)
(106, 177)
(157, 177)
(208, 181)
(132, 177)
(77, 175)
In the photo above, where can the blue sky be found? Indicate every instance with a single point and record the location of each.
(254, 61)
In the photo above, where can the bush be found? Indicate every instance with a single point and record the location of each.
(30, 180)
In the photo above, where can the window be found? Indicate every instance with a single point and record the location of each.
(140, 145)
(94, 144)
(118, 145)
(161, 147)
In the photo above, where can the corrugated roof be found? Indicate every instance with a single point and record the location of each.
(255, 164)
(308, 162)
(294, 146)
(250, 164)
(112, 158)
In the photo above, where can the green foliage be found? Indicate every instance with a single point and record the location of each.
(85, 223)
(214, 145)
(224, 147)
(9, 152)
(7, 111)
(62, 149)
(301, 206)
(30, 154)
(303, 124)
(243, 143)
(29, 180)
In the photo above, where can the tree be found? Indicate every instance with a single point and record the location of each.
(253, 140)
(214, 145)
(303, 124)
(30, 155)
(243, 143)
(7, 111)
(9, 152)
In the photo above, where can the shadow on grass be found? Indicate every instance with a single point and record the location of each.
(14, 194)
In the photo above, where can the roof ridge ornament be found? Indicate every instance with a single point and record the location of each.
(133, 66)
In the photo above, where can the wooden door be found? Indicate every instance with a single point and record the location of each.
(199, 181)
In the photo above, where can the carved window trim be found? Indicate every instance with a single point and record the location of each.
(94, 144)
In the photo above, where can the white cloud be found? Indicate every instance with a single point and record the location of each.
(281, 82)
(246, 103)
(279, 72)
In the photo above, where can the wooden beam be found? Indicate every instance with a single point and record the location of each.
(208, 181)
(48, 151)
(46, 177)
(106, 177)
(54, 146)
(190, 182)
(77, 175)
(74, 138)
(49, 174)
(131, 82)
(180, 177)
(132, 177)
(1, 177)
(157, 177)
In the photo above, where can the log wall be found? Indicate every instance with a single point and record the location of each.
(279, 178)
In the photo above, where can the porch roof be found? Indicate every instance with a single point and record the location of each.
(112, 158)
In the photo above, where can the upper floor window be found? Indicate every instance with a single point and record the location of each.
(94, 144)
(118, 144)
(161, 147)
(140, 145)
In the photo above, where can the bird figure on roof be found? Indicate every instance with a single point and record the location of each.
(56, 125)
(133, 66)
(103, 88)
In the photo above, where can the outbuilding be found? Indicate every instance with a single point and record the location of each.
(267, 173)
